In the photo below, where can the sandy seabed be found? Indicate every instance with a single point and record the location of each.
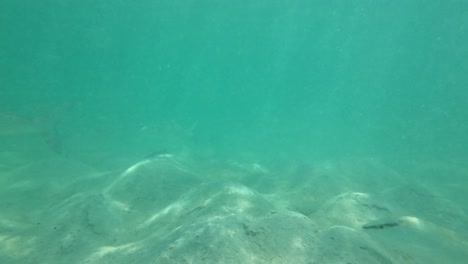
(171, 209)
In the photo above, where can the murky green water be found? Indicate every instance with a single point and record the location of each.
(280, 78)
(274, 82)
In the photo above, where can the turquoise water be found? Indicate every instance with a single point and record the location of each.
(278, 83)
(321, 79)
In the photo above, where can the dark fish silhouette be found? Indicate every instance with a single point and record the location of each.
(13, 125)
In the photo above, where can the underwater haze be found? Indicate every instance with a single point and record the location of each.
(215, 131)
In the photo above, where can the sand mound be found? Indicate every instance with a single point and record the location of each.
(159, 211)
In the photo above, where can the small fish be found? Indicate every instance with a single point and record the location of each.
(45, 126)
(13, 125)
(382, 223)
